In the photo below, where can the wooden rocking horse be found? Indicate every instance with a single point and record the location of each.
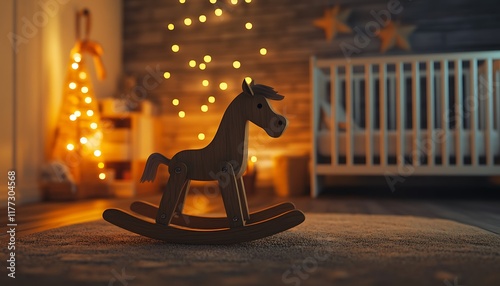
(223, 160)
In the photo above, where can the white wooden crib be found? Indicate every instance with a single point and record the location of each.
(396, 116)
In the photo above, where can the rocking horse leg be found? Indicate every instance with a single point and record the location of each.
(181, 202)
(171, 195)
(243, 198)
(230, 195)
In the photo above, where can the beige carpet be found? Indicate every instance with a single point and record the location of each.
(327, 249)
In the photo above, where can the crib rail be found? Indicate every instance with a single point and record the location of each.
(436, 114)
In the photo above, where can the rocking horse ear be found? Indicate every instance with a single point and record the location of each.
(247, 87)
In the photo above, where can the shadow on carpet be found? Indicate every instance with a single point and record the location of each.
(327, 249)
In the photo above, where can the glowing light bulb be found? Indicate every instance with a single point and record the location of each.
(218, 12)
(236, 64)
(182, 114)
(100, 165)
(211, 99)
(84, 89)
(205, 82)
(82, 75)
(223, 86)
(77, 113)
(102, 176)
(72, 117)
(263, 51)
(201, 136)
(90, 112)
(175, 48)
(202, 66)
(175, 102)
(72, 85)
(213, 1)
(166, 75)
(77, 57)
(248, 26)
(248, 79)
(207, 58)
(171, 27)
(93, 125)
(248, 1)
(88, 99)
(204, 108)
(74, 66)
(234, 2)
(70, 147)
(182, 1)
(202, 18)
(253, 159)
(97, 153)
(188, 21)
(192, 63)
(84, 140)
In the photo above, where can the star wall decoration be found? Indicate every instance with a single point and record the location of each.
(333, 22)
(395, 34)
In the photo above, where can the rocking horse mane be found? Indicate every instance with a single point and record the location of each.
(266, 91)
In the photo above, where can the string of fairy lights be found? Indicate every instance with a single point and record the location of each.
(204, 61)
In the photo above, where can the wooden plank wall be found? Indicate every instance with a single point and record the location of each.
(284, 28)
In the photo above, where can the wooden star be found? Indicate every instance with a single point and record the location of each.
(333, 22)
(395, 35)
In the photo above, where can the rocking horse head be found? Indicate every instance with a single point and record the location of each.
(257, 109)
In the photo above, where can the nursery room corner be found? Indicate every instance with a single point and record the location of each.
(250, 142)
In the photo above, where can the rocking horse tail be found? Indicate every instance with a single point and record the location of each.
(154, 160)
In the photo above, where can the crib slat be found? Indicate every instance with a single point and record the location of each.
(416, 113)
(473, 112)
(497, 98)
(334, 91)
(349, 116)
(444, 112)
(430, 113)
(369, 108)
(458, 112)
(383, 113)
(489, 111)
(356, 94)
(400, 111)
(392, 103)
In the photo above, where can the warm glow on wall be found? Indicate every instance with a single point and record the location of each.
(166, 75)
(223, 86)
(175, 48)
(175, 102)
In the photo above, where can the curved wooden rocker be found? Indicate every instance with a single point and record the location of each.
(223, 160)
